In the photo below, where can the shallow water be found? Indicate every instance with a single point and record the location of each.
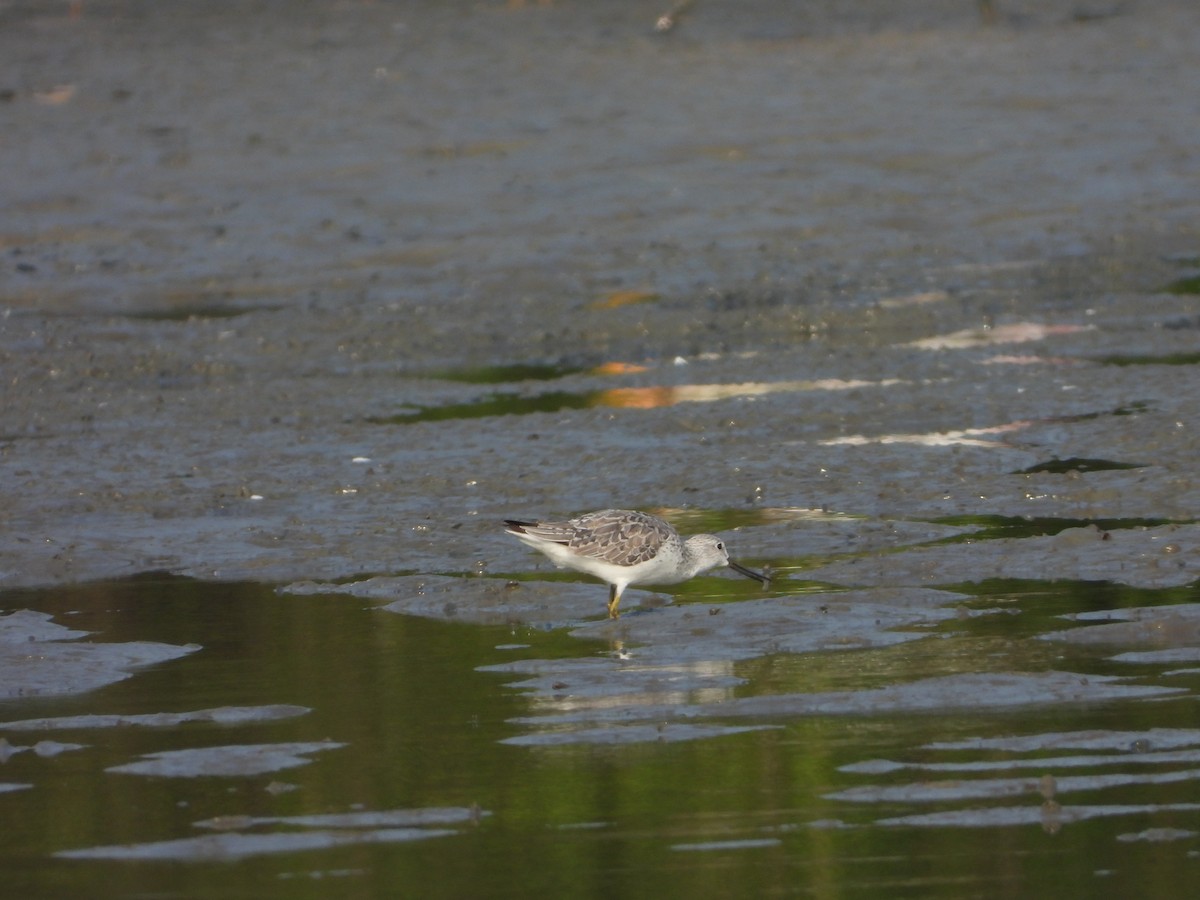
(973, 759)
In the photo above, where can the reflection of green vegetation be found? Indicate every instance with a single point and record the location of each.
(1044, 604)
(1166, 359)
(1061, 597)
(492, 405)
(710, 521)
(715, 520)
(991, 527)
(199, 311)
(505, 374)
(1184, 286)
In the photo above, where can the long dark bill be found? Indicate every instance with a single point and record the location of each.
(762, 579)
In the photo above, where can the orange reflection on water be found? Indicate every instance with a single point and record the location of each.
(658, 396)
(637, 397)
(619, 368)
(617, 299)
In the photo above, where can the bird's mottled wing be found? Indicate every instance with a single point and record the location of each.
(617, 536)
(552, 532)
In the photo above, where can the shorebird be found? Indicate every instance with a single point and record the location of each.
(623, 547)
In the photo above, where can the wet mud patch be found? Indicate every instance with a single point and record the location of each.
(1157, 835)
(724, 846)
(958, 693)
(958, 789)
(1051, 817)
(44, 749)
(236, 760)
(663, 733)
(297, 834)
(1159, 557)
(1144, 741)
(36, 660)
(809, 623)
(231, 847)
(391, 818)
(1176, 627)
(1141, 759)
(225, 715)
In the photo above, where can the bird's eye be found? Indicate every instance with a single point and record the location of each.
(720, 545)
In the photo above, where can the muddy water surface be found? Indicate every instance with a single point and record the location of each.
(295, 309)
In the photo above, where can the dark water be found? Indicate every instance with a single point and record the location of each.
(741, 814)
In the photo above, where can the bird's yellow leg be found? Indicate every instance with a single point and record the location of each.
(614, 600)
